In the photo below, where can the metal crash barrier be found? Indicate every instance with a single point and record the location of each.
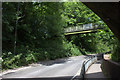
(88, 62)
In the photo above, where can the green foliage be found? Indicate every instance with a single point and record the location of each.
(116, 51)
(76, 13)
(72, 48)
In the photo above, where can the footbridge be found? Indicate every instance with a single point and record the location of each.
(85, 28)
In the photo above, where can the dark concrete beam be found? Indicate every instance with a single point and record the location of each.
(109, 12)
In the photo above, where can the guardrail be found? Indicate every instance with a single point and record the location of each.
(88, 62)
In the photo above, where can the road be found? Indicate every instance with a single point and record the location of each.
(65, 68)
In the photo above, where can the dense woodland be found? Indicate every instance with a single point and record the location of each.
(34, 31)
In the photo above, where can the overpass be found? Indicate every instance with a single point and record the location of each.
(85, 28)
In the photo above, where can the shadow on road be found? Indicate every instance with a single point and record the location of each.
(45, 78)
(56, 78)
(95, 75)
(52, 62)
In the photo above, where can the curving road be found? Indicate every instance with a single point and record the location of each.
(65, 68)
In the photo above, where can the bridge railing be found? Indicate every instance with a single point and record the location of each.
(90, 26)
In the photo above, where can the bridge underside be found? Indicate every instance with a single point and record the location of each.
(109, 13)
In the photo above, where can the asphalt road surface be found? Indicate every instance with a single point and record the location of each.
(60, 69)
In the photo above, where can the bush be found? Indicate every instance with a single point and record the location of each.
(116, 53)
(72, 49)
(66, 49)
